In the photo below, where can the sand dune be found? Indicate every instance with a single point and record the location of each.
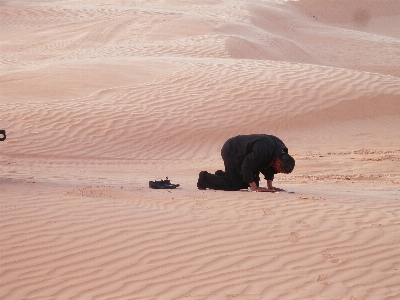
(99, 97)
(241, 95)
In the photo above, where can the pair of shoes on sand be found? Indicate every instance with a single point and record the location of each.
(162, 184)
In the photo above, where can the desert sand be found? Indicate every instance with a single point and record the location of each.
(99, 97)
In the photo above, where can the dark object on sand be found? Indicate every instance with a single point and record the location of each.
(3, 133)
(162, 184)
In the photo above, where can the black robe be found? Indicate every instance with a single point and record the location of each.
(252, 154)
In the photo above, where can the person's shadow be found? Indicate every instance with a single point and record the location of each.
(3, 134)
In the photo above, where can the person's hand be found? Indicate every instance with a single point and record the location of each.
(270, 188)
(261, 189)
(276, 189)
(254, 188)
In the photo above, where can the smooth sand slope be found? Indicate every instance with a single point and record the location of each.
(99, 97)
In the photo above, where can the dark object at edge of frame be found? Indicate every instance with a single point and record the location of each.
(3, 133)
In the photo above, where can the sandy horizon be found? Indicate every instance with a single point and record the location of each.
(100, 97)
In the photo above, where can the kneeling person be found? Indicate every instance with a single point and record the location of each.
(245, 157)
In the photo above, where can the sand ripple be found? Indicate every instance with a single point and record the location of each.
(102, 242)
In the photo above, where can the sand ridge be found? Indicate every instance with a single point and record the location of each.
(102, 123)
(99, 97)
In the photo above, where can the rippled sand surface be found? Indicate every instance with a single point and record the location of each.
(99, 97)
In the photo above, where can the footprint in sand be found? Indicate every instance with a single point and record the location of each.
(294, 237)
(303, 223)
(322, 279)
(331, 258)
(268, 211)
